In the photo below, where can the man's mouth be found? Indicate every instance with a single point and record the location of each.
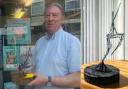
(50, 24)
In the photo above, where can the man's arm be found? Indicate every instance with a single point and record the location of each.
(73, 62)
(70, 80)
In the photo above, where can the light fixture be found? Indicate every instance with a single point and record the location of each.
(19, 13)
(26, 3)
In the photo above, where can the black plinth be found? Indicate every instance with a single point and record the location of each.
(101, 74)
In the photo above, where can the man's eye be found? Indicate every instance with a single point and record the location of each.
(55, 15)
(47, 15)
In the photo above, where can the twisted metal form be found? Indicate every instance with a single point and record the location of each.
(111, 35)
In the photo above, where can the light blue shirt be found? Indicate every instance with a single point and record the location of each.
(58, 55)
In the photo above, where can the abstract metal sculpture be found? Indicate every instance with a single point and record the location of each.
(103, 74)
(111, 35)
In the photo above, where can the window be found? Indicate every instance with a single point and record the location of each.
(72, 5)
(37, 8)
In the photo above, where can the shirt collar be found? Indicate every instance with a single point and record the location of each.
(54, 35)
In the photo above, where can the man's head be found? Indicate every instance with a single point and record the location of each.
(53, 17)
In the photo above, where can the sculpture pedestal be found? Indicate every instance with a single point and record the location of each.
(123, 81)
(101, 77)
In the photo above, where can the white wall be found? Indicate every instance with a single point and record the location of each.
(96, 23)
(126, 29)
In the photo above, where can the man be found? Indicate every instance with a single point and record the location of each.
(57, 57)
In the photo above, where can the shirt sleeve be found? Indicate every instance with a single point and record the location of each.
(34, 54)
(34, 60)
(74, 56)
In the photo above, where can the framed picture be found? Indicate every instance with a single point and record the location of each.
(10, 56)
(18, 35)
(72, 5)
(25, 59)
(37, 8)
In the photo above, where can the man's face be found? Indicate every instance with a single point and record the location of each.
(53, 19)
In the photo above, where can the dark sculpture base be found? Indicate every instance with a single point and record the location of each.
(101, 74)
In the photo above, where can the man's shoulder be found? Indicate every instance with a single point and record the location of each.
(40, 40)
(70, 37)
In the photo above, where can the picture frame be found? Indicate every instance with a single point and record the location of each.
(10, 57)
(37, 8)
(25, 59)
(18, 35)
(72, 5)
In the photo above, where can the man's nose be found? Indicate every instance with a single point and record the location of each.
(50, 17)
